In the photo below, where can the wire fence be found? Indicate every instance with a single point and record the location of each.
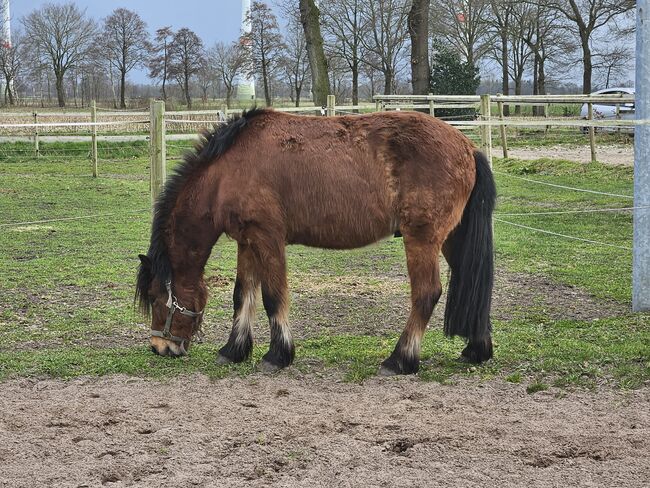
(68, 135)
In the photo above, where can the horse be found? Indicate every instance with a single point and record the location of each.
(268, 179)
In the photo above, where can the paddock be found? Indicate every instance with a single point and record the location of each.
(564, 401)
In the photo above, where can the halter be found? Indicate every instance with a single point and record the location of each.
(173, 306)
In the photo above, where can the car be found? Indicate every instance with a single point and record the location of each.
(613, 111)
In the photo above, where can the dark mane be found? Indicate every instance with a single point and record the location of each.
(212, 145)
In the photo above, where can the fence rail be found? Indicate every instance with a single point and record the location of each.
(84, 126)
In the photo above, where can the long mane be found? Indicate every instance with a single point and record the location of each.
(211, 146)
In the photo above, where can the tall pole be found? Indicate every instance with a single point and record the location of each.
(5, 37)
(246, 83)
(641, 253)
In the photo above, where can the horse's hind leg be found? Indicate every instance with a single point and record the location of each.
(240, 343)
(424, 273)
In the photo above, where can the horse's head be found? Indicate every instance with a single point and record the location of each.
(176, 314)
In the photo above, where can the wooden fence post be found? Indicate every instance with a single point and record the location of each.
(486, 130)
(432, 109)
(157, 148)
(592, 132)
(93, 119)
(502, 129)
(331, 103)
(37, 151)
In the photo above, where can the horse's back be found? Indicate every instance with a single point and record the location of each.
(346, 182)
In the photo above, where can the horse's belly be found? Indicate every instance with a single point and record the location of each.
(346, 230)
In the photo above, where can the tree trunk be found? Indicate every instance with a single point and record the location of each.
(60, 90)
(310, 19)
(505, 83)
(267, 94)
(355, 83)
(388, 81)
(298, 91)
(587, 66)
(186, 89)
(541, 77)
(518, 91)
(122, 90)
(418, 25)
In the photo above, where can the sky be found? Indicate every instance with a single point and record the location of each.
(212, 20)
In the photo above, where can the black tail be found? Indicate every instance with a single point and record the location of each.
(470, 252)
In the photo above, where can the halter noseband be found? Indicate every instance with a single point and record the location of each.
(173, 306)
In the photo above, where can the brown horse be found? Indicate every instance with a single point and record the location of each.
(268, 179)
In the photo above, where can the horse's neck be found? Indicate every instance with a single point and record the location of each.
(193, 233)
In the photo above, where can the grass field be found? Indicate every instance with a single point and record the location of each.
(561, 306)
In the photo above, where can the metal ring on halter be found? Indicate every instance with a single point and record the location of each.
(173, 306)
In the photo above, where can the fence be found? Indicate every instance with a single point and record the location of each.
(159, 129)
(183, 125)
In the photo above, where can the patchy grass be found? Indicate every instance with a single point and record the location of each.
(67, 285)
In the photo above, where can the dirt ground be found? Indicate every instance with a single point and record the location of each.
(313, 430)
(290, 430)
(617, 155)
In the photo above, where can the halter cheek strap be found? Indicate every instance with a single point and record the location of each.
(173, 306)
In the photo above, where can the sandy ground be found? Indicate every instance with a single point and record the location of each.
(605, 154)
(289, 430)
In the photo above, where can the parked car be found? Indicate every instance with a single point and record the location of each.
(613, 111)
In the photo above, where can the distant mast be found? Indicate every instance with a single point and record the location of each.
(246, 84)
(5, 39)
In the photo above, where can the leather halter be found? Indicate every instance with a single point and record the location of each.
(173, 306)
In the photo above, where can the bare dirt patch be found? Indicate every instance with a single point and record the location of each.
(615, 155)
(322, 305)
(295, 430)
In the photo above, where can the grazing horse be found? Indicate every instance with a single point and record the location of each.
(268, 179)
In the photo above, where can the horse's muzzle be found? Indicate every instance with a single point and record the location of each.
(163, 347)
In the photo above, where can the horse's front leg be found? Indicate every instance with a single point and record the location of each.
(240, 343)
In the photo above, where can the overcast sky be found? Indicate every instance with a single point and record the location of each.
(212, 20)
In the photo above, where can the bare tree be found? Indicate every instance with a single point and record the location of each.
(500, 22)
(62, 34)
(418, 23)
(205, 76)
(345, 27)
(310, 18)
(615, 59)
(185, 55)
(587, 17)
(548, 40)
(295, 60)
(387, 24)
(228, 61)
(266, 44)
(11, 56)
(463, 24)
(125, 43)
(159, 61)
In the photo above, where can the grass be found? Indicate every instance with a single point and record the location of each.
(65, 306)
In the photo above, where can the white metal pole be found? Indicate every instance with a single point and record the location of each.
(641, 253)
(246, 83)
(5, 38)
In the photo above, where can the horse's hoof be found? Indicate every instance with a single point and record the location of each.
(385, 371)
(267, 367)
(222, 360)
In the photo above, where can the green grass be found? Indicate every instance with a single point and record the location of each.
(66, 286)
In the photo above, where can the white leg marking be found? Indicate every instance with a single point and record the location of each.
(246, 316)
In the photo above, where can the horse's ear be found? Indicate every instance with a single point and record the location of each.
(146, 262)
